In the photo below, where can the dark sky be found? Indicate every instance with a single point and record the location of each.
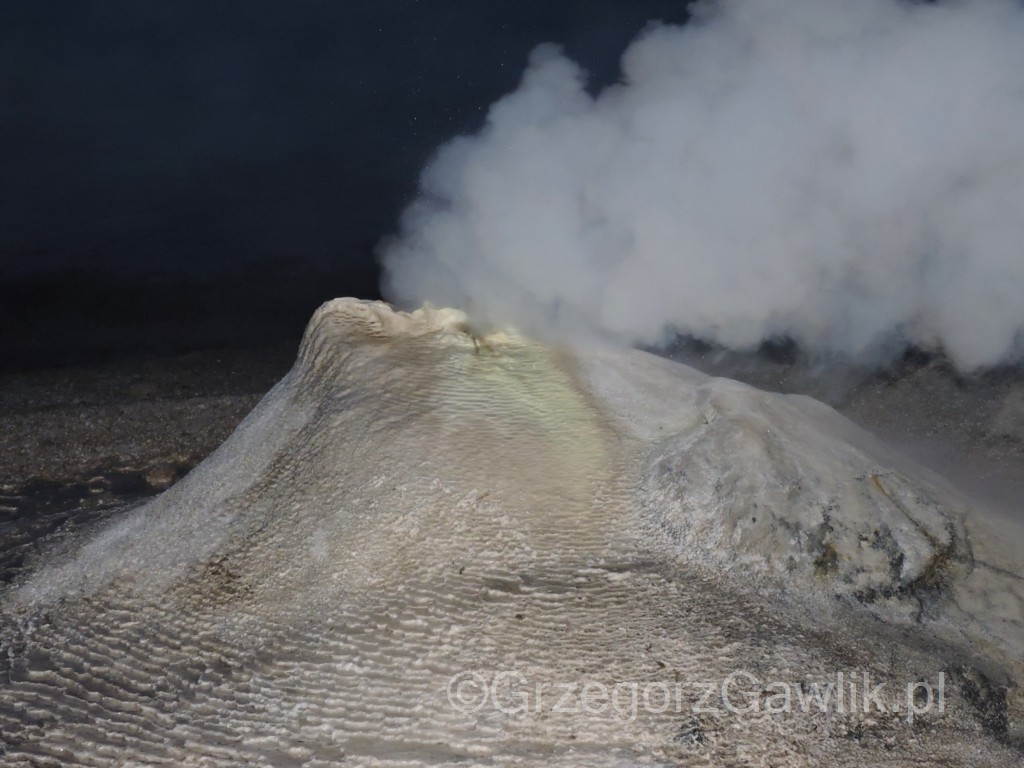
(228, 140)
(176, 135)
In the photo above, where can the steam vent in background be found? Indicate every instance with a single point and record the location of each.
(412, 503)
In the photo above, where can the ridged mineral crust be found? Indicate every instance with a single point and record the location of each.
(415, 500)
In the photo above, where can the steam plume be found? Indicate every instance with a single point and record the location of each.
(847, 174)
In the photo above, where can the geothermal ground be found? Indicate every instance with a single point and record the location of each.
(408, 506)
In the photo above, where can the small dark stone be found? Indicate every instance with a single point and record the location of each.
(690, 733)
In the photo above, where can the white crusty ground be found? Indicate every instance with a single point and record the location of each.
(411, 502)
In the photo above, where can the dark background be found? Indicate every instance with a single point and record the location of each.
(188, 174)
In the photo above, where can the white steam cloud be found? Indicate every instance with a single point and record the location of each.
(848, 173)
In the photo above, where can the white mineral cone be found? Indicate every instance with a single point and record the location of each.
(414, 505)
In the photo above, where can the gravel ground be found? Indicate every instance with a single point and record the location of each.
(78, 443)
(152, 416)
